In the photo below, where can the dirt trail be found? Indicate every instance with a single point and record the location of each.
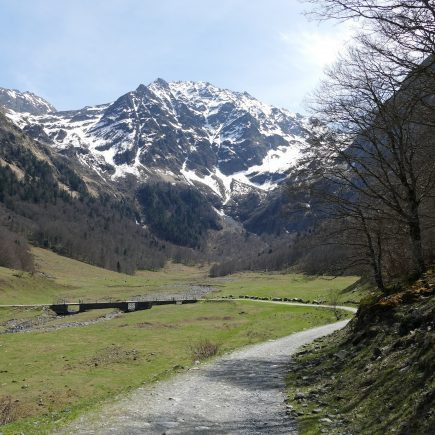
(240, 393)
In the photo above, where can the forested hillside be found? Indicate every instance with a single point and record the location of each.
(47, 203)
(177, 213)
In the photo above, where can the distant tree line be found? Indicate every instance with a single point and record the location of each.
(99, 231)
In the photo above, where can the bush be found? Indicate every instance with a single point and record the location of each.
(203, 349)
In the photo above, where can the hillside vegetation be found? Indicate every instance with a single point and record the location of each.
(178, 214)
(376, 375)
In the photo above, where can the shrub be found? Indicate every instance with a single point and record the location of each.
(203, 349)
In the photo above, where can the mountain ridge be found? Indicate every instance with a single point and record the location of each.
(24, 101)
(227, 144)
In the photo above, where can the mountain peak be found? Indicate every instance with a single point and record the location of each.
(161, 82)
(141, 88)
(24, 102)
(182, 131)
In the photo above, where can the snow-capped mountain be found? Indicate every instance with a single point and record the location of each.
(226, 142)
(24, 102)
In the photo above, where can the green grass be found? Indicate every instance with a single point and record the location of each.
(59, 278)
(286, 285)
(52, 376)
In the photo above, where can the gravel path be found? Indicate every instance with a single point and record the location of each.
(240, 393)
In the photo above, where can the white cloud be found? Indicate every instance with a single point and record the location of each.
(317, 47)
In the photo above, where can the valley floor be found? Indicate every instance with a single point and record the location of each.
(60, 278)
(60, 367)
(242, 392)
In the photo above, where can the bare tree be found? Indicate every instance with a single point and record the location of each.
(373, 168)
(409, 24)
(14, 251)
(375, 162)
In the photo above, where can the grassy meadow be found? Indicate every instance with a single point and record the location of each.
(51, 376)
(63, 366)
(60, 278)
(291, 285)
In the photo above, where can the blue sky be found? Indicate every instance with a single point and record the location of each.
(85, 52)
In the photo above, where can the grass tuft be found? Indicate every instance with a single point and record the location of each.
(203, 349)
(5, 410)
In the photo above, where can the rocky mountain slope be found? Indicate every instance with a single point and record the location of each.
(24, 102)
(227, 144)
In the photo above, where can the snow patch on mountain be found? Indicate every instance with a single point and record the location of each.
(25, 102)
(192, 131)
(279, 160)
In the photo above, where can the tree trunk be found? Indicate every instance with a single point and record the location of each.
(378, 265)
(378, 278)
(375, 260)
(416, 246)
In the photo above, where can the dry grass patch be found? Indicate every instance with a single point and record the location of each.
(113, 354)
(203, 349)
(214, 318)
(5, 410)
(154, 325)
